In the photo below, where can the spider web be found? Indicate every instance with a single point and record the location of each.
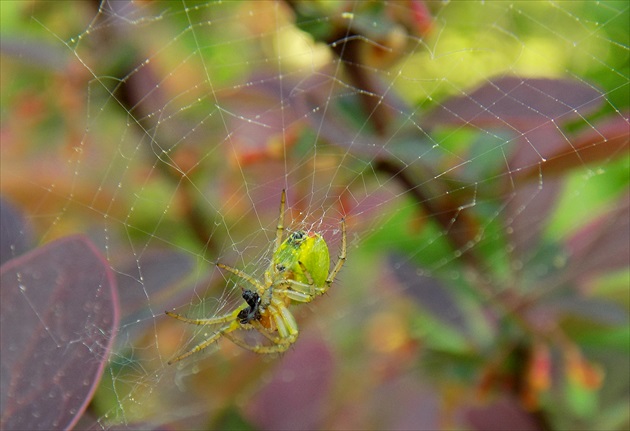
(456, 138)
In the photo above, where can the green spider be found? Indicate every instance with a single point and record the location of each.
(298, 272)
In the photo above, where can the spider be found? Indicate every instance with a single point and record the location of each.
(298, 272)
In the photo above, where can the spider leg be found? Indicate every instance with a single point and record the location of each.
(267, 333)
(280, 225)
(223, 331)
(314, 290)
(280, 312)
(251, 280)
(280, 346)
(309, 289)
(285, 324)
(282, 317)
(341, 259)
(210, 321)
(306, 272)
(296, 295)
(309, 278)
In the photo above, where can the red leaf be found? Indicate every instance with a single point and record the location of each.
(539, 374)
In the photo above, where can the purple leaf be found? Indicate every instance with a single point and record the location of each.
(259, 119)
(533, 110)
(332, 123)
(593, 310)
(430, 293)
(384, 401)
(145, 286)
(15, 233)
(602, 141)
(404, 403)
(533, 147)
(527, 213)
(58, 315)
(500, 416)
(296, 396)
(35, 52)
(519, 104)
(602, 246)
(89, 423)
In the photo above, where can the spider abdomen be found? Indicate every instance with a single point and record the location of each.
(310, 249)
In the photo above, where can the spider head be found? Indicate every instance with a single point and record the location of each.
(296, 238)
